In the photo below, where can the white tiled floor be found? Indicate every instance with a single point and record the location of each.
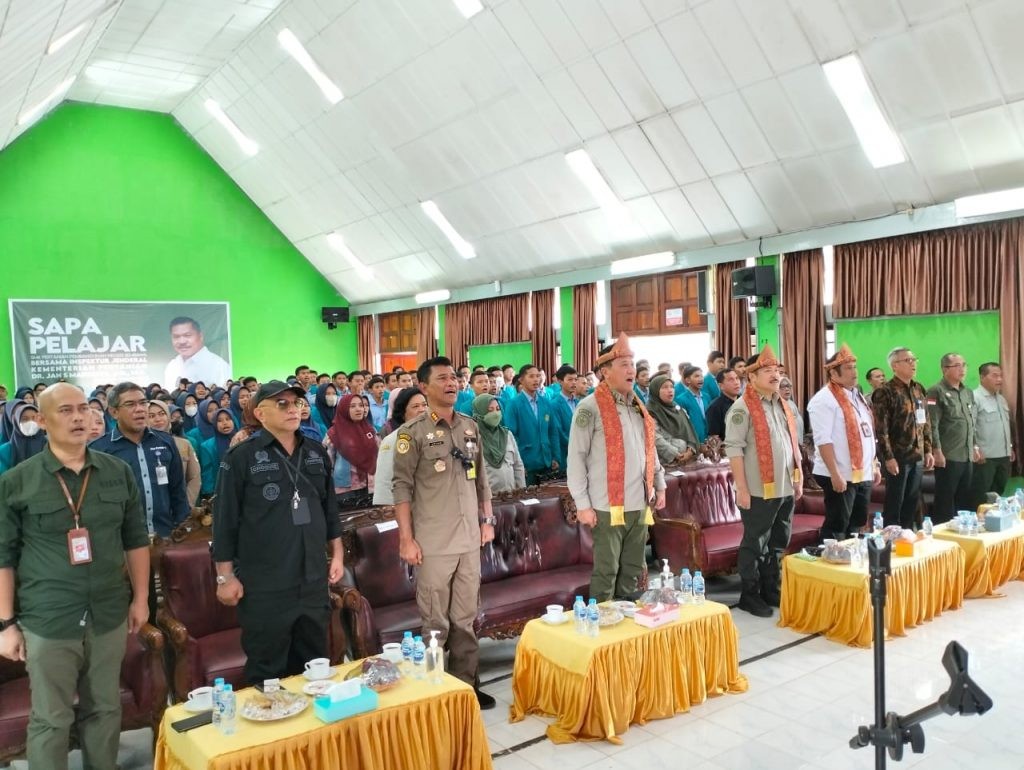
(803, 706)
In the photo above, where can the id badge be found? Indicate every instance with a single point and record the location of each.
(161, 475)
(79, 546)
(865, 431)
(300, 512)
(471, 471)
(919, 415)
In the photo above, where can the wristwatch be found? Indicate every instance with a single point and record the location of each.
(489, 520)
(223, 579)
(5, 624)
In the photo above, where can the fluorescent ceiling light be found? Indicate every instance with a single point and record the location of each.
(990, 203)
(338, 244)
(33, 114)
(249, 147)
(429, 297)
(70, 35)
(583, 166)
(879, 141)
(464, 247)
(298, 51)
(645, 262)
(469, 8)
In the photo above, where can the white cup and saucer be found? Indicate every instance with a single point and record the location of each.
(318, 668)
(199, 699)
(392, 651)
(554, 614)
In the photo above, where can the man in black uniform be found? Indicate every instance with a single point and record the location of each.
(274, 511)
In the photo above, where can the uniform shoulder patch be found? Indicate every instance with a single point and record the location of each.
(583, 417)
(738, 418)
(402, 445)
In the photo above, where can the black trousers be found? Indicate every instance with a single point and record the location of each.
(902, 494)
(989, 476)
(283, 629)
(766, 527)
(845, 511)
(952, 490)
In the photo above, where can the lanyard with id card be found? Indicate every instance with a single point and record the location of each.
(161, 469)
(79, 545)
(300, 505)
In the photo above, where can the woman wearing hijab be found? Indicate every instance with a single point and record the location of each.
(213, 449)
(306, 424)
(239, 398)
(674, 438)
(204, 423)
(27, 439)
(325, 405)
(26, 394)
(505, 469)
(406, 405)
(158, 417)
(352, 445)
(189, 405)
(97, 425)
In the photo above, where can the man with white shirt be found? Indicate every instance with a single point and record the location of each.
(844, 446)
(194, 361)
(995, 434)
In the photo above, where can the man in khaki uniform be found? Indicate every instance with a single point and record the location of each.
(614, 473)
(761, 444)
(443, 508)
(951, 414)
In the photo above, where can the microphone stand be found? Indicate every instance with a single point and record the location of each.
(891, 731)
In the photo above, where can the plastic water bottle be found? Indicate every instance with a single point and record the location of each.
(407, 643)
(218, 690)
(419, 653)
(228, 716)
(579, 614)
(1019, 494)
(686, 586)
(879, 524)
(593, 618)
(927, 526)
(698, 587)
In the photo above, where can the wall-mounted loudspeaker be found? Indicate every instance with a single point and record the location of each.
(702, 292)
(753, 282)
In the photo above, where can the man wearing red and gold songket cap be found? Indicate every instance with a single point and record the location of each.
(762, 447)
(614, 474)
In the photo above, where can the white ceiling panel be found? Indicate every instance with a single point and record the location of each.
(710, 119)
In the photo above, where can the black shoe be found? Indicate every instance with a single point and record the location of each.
(485, 700)
(752, 602)
(771, 594)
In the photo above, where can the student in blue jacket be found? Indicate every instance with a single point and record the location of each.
(528, 416)
(694, 400)
(213, 449)
(563, 406)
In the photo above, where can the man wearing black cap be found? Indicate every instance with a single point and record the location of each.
(274, 511)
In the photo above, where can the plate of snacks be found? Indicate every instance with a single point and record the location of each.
(627, 608)
(378, 674)
(270, 707)
(609, 616)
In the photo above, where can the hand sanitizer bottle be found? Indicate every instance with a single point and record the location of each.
(666, 576)
(435, 660)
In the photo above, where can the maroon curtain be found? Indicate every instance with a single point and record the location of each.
(426, 342)
(732, 317)
(545, 344)
(367, 343)
(1009, 252)
(485, 322)
(584, 332)
(941, 271)
(803, 322)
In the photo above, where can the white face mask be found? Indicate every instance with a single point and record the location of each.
(30, 428)
(331, 399)
(191, 411)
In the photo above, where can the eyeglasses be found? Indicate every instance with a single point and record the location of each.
(283, 404)
(905, 361)
(960, 365)
(133, 404)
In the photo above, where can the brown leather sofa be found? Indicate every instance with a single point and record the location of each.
(204, 636)
(143, 692)
(539, 556)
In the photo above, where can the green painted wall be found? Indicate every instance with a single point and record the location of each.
(768, 318)
(113, 204)
(440, 329)
(975, 336)
(515, 353)
(568, 325)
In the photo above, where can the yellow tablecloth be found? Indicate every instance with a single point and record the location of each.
(835, 599)
(416, 725)
(597, 687)
(992, 558)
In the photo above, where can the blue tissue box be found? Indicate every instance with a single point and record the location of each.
(999, 521)
(327, 711)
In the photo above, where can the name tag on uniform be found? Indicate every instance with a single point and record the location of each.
(161, 475)
(919, 414)
(865, 430)
(471, 471)
(79, 546)
(300, 512)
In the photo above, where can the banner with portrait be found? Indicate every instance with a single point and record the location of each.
(89, 343)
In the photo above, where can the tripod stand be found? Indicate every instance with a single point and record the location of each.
(891, 731)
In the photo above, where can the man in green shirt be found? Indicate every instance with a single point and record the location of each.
(69, 520)
(951, 414)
